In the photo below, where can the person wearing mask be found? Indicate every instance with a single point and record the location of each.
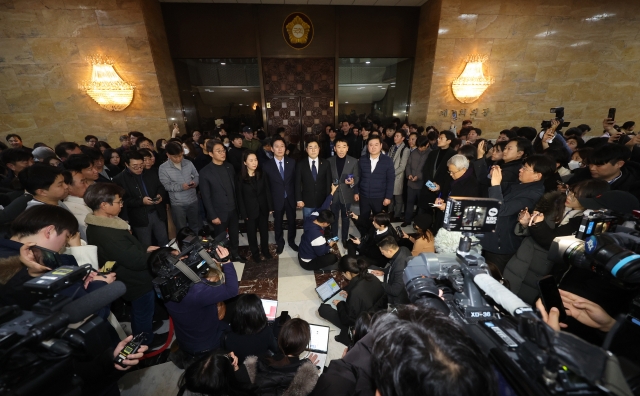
(344, 169)
(413, 172)
(198, 327)
(250, 333)
(46, 184)
(399, 153)
(144, 207)
(255, 203)
(314, 252)
(115, 243)
(499, 246)
(280, 173)
(249, 142)
(435, 170)
(218, 187)
(180, 178)
(234, 156)
(77, 185)
(112, 162)
(611, 163)
(363, 293)
(285, 372)
(423, 241)
(328, 145)
(377, 178)
(371, 232)
(313, 178)
(397, 261)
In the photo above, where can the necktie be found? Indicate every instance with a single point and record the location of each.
(314, 170)
(282, 175)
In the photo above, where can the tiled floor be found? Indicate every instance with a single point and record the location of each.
(296, 294)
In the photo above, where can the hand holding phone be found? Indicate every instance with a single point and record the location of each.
(612, 114)
(550, 296)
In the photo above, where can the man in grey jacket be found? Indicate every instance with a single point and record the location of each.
(344, 168)
(413, 172)
(180, 178)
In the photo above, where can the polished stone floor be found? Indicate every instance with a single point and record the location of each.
(295, 294)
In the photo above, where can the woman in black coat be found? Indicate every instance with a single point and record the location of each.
(370, 234)
(364, 293)
(255, 204)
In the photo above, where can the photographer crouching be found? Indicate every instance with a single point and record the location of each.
(197, 317)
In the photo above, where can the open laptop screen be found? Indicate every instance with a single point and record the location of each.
(328, 289)
(270, 309)
(319, 338)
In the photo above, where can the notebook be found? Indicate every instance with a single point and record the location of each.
(270, 309)
(319, 344)
(328, 291)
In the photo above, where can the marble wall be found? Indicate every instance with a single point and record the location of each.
(43, 46)
(580, 54)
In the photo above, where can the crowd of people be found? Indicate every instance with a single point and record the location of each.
(93, 203)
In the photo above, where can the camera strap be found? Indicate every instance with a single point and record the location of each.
(187, 271)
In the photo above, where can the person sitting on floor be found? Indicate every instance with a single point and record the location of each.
(371, 232)
(314, 253)
(393, 283)
(423, 242)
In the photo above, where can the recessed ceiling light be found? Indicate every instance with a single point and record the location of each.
(346, 102)
(222, 63)
(361, 88)
(381, 88)
(245, 90)
(240, 104)
(367, 62)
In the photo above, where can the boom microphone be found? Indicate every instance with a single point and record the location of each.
(501, 295)
(79, 309)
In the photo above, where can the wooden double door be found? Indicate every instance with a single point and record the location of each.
(299, 115)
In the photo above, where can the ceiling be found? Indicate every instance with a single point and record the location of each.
(406, 3)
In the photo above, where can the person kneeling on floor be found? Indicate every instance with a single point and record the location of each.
(314, 250)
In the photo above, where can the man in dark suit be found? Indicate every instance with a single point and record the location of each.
(281, 171)
(144, 200)
(377, 176)
(345, 169)
(218, 188)
(313, 180)
(393, 283)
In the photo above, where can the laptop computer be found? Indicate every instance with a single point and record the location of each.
(270, 309)
(319, 344)
(328, 291)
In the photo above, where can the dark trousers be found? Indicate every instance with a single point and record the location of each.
(326, 312)
(340, 210)
(156, 228)
(412, 199)
(370, 204)
(291, 220)
(328, 262)
(260, 223)
(184, 216)
(142, 314)
(231, 227)
(500, 260)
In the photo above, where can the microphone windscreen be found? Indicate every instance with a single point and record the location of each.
(500, 294)
(92, 302)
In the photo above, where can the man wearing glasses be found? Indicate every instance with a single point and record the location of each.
(144, 200)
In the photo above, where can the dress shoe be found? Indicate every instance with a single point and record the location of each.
(343, 339)
(404, 224)
(293, 247)
(280, 249)
(267, 255)
(238, 258)
(158, 340)
(396, 220)
(157, 324)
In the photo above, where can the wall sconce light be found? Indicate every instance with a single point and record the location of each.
(106, 87)
(472, 83)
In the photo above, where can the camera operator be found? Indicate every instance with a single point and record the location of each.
(48, 227)
(198, 327)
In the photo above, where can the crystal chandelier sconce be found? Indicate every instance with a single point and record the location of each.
(106, 87)
(472, 83)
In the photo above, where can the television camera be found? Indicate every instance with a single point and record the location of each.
(180, 272)
(532, 358)
(40, 353)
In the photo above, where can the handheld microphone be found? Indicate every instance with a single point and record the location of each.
(501, 295)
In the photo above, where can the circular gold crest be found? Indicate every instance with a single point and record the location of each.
(297, 30)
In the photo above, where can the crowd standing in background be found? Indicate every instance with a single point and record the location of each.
(130, 200)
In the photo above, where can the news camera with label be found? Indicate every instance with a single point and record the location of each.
(531, 358)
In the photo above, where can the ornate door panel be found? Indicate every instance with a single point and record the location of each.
(284, 112)
(316, 113)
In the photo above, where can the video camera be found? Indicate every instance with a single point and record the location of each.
(39, 353)
(559, 112)
(180, 272)
(532, 357)
(602, 245)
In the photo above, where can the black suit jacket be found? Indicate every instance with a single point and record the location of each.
(134, 210)
(313, 192)
(254, 198)
(437, 174)
(217, 199)
(279, 186)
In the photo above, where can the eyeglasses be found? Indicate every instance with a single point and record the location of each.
(121, 203)
(524, 168)
(219, 151)
(454, 172)
(136, 167)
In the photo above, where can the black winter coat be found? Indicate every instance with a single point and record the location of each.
(254, 197)
(437, 172)
(369, 239)
(393, 283)
(364, 294)
(135, 211)
(629, 181)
